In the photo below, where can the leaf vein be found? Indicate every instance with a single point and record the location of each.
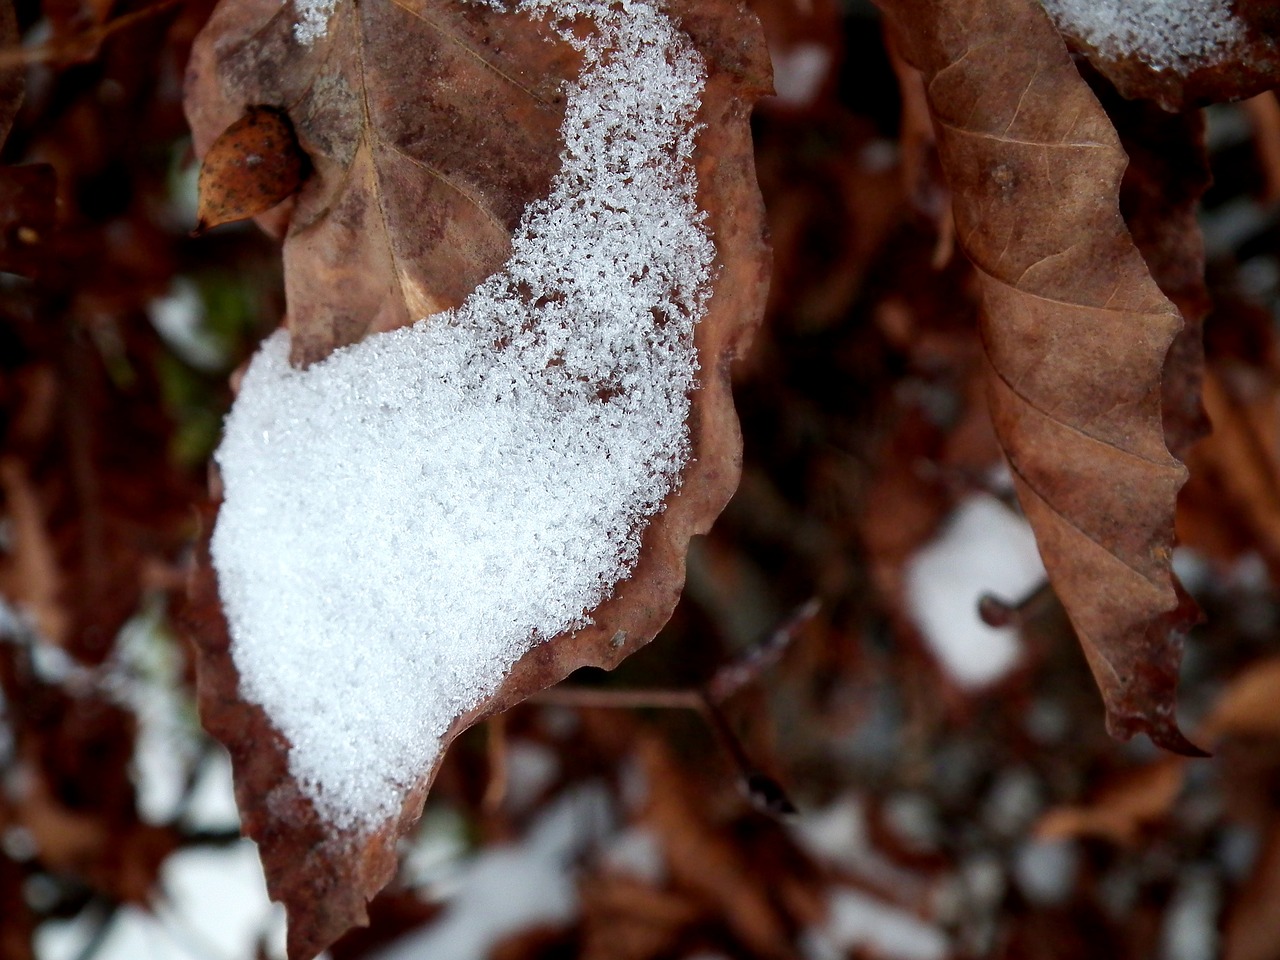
(1163, 465)
(446, 180)
(452, 38)
(1017, 470)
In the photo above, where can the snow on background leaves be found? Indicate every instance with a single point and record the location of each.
(405, 518)
(1166, 34)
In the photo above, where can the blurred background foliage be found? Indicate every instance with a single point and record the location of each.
(955, 792)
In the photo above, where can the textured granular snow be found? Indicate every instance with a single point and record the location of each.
(313, 20)
(1164, 34)
(405, 519)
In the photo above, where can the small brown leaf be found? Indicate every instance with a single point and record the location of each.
(254, 165)
(1076, 334)
(1123, 809)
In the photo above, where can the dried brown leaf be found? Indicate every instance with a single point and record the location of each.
(703, 861)
(431, 126)
(1237, 469)
(1247, 707)
(12, 78)
(255, 164)
(1129, 804)
(1249, 66)
(1263, 112)
(1076, 334)
(1252, 927)
(1168, 173)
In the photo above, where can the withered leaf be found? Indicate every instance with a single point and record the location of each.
(429, 126)
(1245, 62)
(12, 78)
(432, 126)
(255, 164)
(1167, 174)
(1076, 333)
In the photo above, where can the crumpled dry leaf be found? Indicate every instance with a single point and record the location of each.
(1168, 173)
(1076, 334)
(1137, 798)
(1250, 66)
(700, 859)
(430, 127)
(12, 79)
(255, 164)
(413, 198)
(1119, 813)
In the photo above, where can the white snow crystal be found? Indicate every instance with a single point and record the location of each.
(313, 20)
(1164, 34)
(405, 519)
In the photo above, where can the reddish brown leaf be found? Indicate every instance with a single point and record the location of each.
(413, 199)
(12, 79)
(1076, 334)
(1248, 65)
(1264, 116)
(1236, 469)
(255, 164)
(1168, 173)
(431, 126)
(1124, 808)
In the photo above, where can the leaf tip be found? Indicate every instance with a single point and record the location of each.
(1161, 727)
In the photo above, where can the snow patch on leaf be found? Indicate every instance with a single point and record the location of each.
(313, 20)
(406, 518)
(1165, 34)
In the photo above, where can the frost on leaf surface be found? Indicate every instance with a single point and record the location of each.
(404, 519)
(1165, 34)
(1178, 53)
(313, 20)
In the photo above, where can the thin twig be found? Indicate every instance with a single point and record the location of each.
(761, 789)
(606, 698)
(748, 668)
(996, 612)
